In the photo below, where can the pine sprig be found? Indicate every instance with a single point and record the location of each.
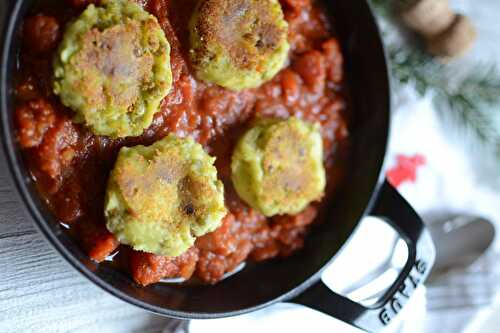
(472, 100)
(466, 101)
(382, 7)
(385, 8)
(483, 85)
(410, 65)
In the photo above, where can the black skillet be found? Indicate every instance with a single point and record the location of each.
(296, 279)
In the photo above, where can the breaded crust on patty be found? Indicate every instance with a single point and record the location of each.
(277, 166)
(238, 44)
(113, 68)
(160, 198)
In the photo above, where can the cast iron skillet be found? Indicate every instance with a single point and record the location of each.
(296, 279)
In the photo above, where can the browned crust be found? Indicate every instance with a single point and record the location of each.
(117, 54)
(284, 161)
(140, 179)
(245, 29)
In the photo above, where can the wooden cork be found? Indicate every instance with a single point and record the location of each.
(428, 17)
(446, 33)
(455, 40)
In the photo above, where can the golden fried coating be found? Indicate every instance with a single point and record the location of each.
(238, 44)
(277, 166)
(159, 198)
(113, 68)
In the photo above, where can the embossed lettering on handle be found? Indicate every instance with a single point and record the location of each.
(403, 294)
(393, 209)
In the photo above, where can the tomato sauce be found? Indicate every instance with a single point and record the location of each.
(70, 165)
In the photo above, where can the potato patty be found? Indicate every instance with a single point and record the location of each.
(159, 198)
(238, 44)
(113, 68)
(277, 166)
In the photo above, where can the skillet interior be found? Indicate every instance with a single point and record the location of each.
(257, 285)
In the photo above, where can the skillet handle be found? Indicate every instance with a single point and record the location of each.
(393, 209)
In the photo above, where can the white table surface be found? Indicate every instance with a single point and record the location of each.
(40, 292)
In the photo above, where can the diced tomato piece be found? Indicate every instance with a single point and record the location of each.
(148, 268)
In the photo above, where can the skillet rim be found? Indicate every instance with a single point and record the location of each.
(21, 185)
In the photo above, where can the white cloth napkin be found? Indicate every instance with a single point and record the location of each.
(292, 319)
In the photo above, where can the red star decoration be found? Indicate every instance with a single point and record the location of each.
(405, 169)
